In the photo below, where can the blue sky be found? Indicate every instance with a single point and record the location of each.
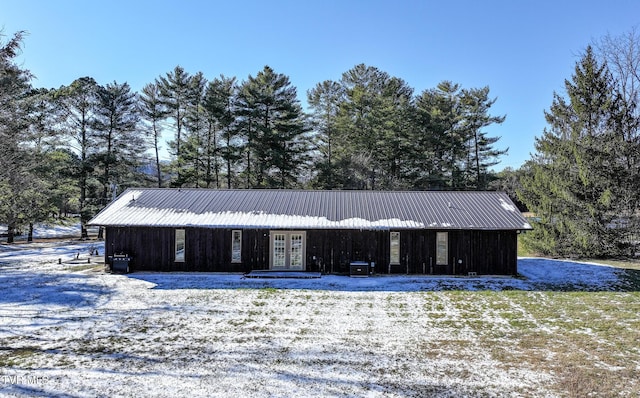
(522, 50)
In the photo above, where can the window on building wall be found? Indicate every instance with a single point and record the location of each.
(394, 248)
(442, 248)
(236, 246)
(180, 245)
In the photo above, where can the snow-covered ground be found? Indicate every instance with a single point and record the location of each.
(48, 231)
(73, 331)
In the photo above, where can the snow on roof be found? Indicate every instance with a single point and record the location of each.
(298, 209)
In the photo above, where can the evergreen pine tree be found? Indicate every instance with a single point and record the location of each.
(481, 154)
(176, 96)
(193, 154)
(220, 141)
(15, 159)
(324, 101)
(439, 137)
(76, 106)
(119, 142)
(153, 113)
(573, 188)
(219, 103)
(275, 129)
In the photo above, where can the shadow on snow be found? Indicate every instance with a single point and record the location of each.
(536, 274)
(44, 288)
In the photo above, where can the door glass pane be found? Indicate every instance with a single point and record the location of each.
(279, 250)
(296, 251)
(442, 248)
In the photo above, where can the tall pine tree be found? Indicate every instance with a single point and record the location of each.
(324, 101)
(16, 180)
(481, 154)
(76, 110)
(572, 187)
(176, 96)
(223, 142)
(193, 155)
(275, 130)
(119, 142)
(153, 113)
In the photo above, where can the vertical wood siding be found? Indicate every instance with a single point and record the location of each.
(328, 251)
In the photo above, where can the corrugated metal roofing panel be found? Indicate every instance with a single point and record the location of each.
(313, 209)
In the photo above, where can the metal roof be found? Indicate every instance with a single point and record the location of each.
(306, 209)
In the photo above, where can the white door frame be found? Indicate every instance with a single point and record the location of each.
(291, 254)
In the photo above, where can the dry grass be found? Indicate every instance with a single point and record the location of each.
(588, 340)
(625, 264)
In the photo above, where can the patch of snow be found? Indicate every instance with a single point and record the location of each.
(126, 210)
(507, 206)
(569, 275)
(55, 231)
(164, 217)
(48, 231)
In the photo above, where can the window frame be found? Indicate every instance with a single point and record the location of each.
(180, 245)
(394, 248)
(442, 248)
(236, 246)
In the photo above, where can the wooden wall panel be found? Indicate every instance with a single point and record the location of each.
(328, 251)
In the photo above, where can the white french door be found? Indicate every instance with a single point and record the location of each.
(288, 250)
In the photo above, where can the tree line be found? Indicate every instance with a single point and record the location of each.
(71, 149)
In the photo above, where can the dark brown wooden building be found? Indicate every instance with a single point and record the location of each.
(415, 232)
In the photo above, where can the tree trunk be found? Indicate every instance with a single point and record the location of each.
(155, 140)
(84, 234)
(83, 198)
(11, 230)
(475, 136)
(228, 162)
